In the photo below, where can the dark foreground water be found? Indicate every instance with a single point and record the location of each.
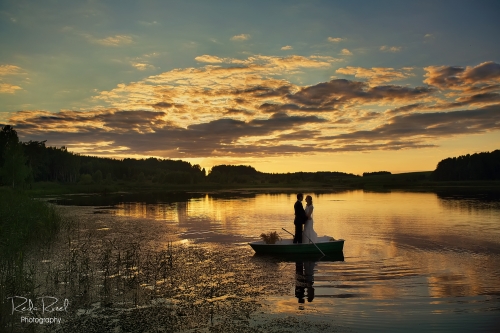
(411, 262)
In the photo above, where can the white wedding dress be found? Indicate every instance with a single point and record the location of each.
(309, 228)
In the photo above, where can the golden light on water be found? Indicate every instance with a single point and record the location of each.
(404, 234)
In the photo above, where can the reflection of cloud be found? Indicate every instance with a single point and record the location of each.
(241, 37)
(377, 75)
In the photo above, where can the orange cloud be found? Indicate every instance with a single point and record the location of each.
(482, 76)
(116, 40)
(142, 66)
(9, 88)
(386, 48)
(346, 52)
(287, 47)
(9, 70)
(377, 75)
(246, 107)
(335, 40)
(241, 37)
(209, 59)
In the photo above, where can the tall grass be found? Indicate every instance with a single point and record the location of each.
(25, 223)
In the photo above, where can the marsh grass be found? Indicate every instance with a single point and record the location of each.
(119, 281)
(25, 224)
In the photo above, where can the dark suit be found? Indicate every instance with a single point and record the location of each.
(300, 219)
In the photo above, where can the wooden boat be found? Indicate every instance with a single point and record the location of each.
(286, 246)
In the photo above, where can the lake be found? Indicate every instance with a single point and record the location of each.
(411, 261)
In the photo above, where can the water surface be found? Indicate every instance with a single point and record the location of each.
(413, 261)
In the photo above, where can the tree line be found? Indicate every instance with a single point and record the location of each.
(479, 166)
(24, 163)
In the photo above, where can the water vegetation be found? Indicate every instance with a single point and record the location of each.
(117, 280)
(25, 225)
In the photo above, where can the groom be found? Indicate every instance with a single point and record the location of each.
(300, 218)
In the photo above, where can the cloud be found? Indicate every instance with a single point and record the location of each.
(428, 35)
(429, 125)
(288, 47)
(142, 66)
(241, 37)
(377, 75)
(240, 107)
(116, 40)
(386, 48)
(150, 132)
(345, 52)
(9, 70)
(7, 88)
(340, 92)
(209, 59)
(335, 40)
(463, 78)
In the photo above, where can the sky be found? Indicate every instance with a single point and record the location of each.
(283, 86)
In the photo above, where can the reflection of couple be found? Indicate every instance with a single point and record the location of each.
(304, 280)
(303, 219)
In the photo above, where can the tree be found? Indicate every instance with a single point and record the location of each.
(97, 176)
(14, 170)
(8, 138)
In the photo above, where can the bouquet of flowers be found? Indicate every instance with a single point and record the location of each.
(271, 237)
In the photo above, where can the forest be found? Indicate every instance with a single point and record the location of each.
(24, 163)
(479, 166)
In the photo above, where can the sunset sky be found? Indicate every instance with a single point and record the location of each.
(284, 86)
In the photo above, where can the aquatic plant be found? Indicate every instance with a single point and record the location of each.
(25, 223)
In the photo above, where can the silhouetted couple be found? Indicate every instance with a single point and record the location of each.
(304, 230)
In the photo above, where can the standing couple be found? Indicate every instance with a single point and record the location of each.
(303, 219)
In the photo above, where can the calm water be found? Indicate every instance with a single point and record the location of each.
(413, 261)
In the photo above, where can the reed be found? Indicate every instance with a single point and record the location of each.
(25, 224)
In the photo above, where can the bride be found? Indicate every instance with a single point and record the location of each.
(308, 226)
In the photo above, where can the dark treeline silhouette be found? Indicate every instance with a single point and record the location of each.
(23, 163)
(376, 173)
(247, 174)
(482, 166)
(28, 162)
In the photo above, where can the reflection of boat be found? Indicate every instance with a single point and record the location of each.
(291, 257)
(286, 246)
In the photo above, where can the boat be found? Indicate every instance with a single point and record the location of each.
(286, 246)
